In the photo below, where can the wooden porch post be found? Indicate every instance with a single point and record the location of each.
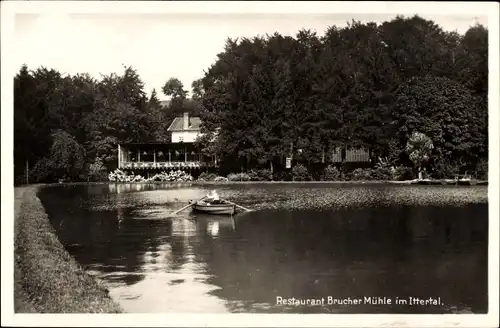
(185, 154)
(154, 156)
(138, 156)
(169, 155)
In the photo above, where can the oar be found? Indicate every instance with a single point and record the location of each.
(190, 204)
(244, 208)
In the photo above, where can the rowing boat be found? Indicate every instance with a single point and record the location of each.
(219, 208)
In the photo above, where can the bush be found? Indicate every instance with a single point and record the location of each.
(254, 176)
(117, 176)
(383, 170)
(238, 177)
(403, 173)
(221, 179)
(97, 171)
(362, 174)
(284, 175)
(206, 176)
(233, 177)
(331, 173)
(383, 173)
(260, 175)
(300, 173)
(445, 170)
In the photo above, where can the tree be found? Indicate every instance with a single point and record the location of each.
(416, 47)
(158, 119)
(443, 110)
(175, 89)
(67, 156)
(419, 147)
(154, 103)
(120, 115)
(66, 159)
(97, 170)
(197, 89)
(472, 60)
(472, 72)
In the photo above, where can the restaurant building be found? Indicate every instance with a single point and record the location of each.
(182, 152)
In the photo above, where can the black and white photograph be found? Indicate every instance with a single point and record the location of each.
(320, 163)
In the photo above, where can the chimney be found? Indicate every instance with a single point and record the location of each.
(186, 121)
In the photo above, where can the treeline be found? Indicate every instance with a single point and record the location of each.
(68, 127)
(365, 85)
(411, 93)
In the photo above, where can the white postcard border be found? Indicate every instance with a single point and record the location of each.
(10, 8)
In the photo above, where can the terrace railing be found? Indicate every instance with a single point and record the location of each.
(163, 165)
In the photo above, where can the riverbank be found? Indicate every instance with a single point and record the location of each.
(47, 279)
(210, 183)
(444, 182)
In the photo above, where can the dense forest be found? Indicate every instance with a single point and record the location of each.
(410, 92)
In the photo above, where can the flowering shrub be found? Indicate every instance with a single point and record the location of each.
(172, 176)
(120, 176)
(139, 178)
(221, 179)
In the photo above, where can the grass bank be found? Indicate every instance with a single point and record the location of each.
(47, 279)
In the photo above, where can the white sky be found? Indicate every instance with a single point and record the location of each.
(161, 46)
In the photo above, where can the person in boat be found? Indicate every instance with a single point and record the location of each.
(213, 197)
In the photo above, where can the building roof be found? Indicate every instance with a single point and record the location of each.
(178, 124)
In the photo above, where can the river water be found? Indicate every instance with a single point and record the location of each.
(304, 241)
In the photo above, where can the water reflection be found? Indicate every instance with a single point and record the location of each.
(202, 263)
(176, 281)
(137, 187)
(211, 225)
